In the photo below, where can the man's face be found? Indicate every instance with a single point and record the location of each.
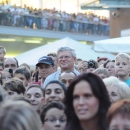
(10, 63)
(23, 78)
(122, 67)
(36, 98)
(66, 60)
(67, 78)
(45, 70)
(54, 93)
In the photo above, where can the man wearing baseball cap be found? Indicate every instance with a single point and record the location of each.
(46, 67)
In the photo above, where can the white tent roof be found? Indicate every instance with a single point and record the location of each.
(82, 51)
(114, 45)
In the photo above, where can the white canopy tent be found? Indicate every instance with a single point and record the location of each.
(114, 45)
(82, 51)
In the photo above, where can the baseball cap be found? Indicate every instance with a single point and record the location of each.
(46, 60)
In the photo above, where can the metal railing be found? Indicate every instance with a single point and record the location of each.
(53, 23)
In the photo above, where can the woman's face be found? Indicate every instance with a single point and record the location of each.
(85, 103)
(54, 92)
(113, 93)
(120, 122)
(55, 119)
(110, 67)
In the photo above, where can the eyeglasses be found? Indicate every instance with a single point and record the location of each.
(53, 120)
(65, 57)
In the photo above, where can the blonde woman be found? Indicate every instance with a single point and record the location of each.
(117, 89)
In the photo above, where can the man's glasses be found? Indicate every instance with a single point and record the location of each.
(65, 57)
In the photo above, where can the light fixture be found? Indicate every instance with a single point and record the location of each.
(33, 41)
(7, 40)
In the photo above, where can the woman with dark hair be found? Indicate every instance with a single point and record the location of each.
(87, 102)
(55, 91)
(53, 116)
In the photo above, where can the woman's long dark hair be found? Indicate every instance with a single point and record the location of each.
(100, 92)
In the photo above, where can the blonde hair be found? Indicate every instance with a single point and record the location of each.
(123, 55)
(18, 116)
(111, 80)
(123, 88)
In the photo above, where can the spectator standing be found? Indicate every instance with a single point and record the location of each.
(53, 116)
(67, 77)
(35, 95)
(11, 63)
(14, 88)
(87, 102)
(110, 66)
(66, 59)
(55, 91)
(46, 67)
(118, 115)
(122, 67)
(23, 73)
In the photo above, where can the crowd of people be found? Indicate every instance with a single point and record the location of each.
(65, 93)
(51, 19)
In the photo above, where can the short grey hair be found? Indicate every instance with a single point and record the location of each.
(123, 88)
(72, 51)
(110, 81)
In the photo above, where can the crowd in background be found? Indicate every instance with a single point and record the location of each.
(65, 93)
(51, 19)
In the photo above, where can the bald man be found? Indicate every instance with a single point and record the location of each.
(11, 63)
(66, 77)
